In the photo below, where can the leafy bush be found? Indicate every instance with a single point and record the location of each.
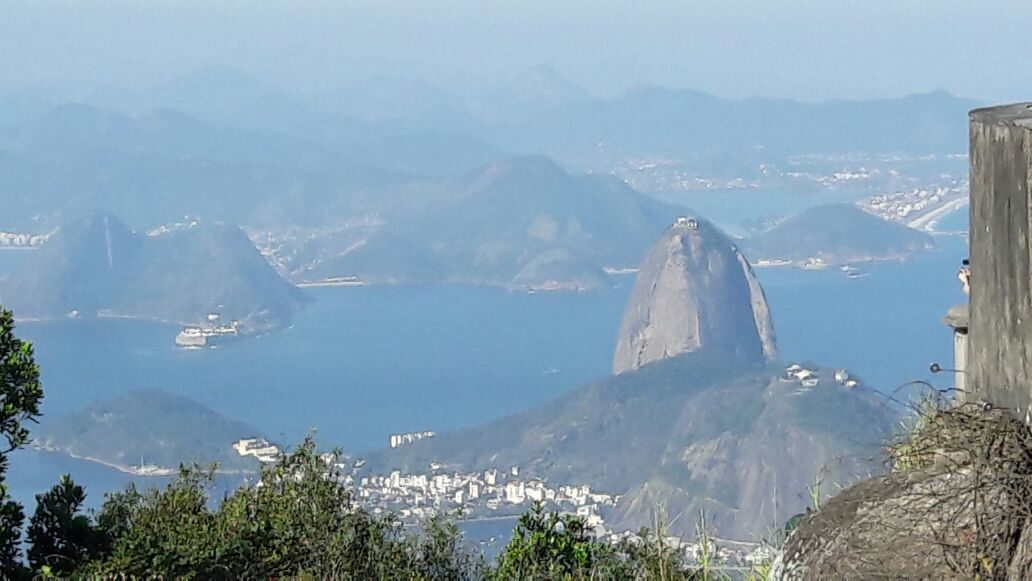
(20, 396)
(300, 521)
(297, 521)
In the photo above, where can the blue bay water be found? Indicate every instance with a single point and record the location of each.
(360, 363)
(11, 259)
(957, 221)
(885, 326)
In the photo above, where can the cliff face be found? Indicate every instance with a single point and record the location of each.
(694, 291)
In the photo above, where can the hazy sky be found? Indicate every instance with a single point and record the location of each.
(806, 49)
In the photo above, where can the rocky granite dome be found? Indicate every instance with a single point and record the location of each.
(694, 291)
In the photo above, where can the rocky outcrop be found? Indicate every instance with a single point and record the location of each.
(694, 291)
(960, 509)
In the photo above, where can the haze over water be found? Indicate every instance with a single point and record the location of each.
(360, 363)
(228, 227)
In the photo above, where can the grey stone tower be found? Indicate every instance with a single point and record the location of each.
(999, 362)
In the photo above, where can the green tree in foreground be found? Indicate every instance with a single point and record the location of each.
(60, 536)
(20, 396)
(551, 546)
(556, 546)
(297, 521)
(20, 389)
(11, 520)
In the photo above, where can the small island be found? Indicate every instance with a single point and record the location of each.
(209, 278)
(152, 432)
(834, 235)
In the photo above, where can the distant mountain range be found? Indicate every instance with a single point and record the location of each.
(99, 267)
(542, 112)
(837, 234)
(406, 203)
(521, 223)
(223, 146)
(148, 427)
(680, 121)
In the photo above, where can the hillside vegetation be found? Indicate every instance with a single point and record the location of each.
(99, 267)
(692, 432)
(837, 233)
(520, 223)
(150, 427)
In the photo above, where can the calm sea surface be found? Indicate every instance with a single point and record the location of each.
(885, 326)
(360, 363)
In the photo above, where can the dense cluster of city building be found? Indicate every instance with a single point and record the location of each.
(196, 336)
(866, 174)
(499, 494)
(187, 223)
(495, 493)
(910, 206)
(677, 175)
(260, 448)
(395, 440)
(492, 492)
(811, 378)
(17, 240)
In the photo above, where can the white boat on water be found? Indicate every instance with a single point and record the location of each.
(196, 337)
(191, 338)
(850, 272)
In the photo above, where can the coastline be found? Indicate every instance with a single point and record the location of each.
(928, 221)
(145, 471)
(810, 264)
(618, 271)
(108, 316)
(325, 283)
(104, 316)
(544, 286)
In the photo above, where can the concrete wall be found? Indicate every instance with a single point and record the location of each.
(1000, 336)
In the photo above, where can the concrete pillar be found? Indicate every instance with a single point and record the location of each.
(999, 367)
(960, 355)
(957, 319)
